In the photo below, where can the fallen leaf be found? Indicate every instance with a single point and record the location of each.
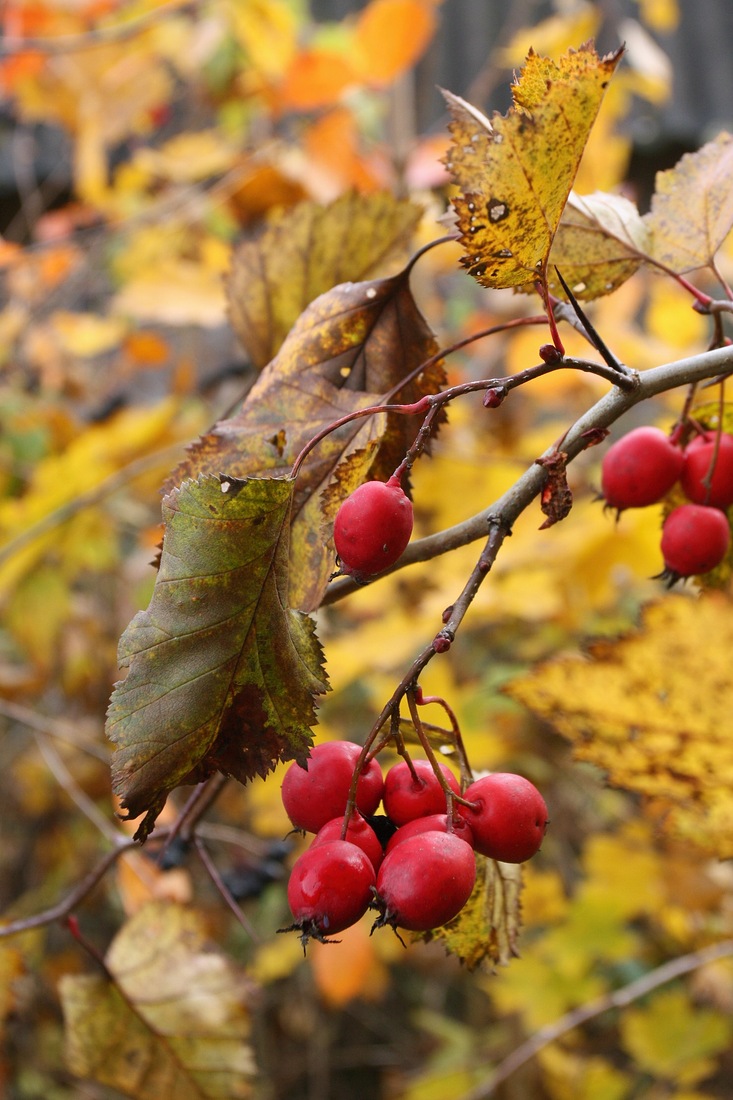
(209, 656)
(515, 171)
(169, 1018)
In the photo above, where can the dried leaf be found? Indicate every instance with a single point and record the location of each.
(692, 208)
(209, 656)
(599, 244)
(515, 171)
(556, 498)
(169, 1019)
(487, 928)
(647, 708)
(303, 253)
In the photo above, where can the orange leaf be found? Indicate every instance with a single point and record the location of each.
(316, 78)
(332, 148)
(390, 35)
(146, 349)
(351, 970)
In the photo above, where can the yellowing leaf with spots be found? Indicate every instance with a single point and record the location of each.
(515, 172)
(650, 708)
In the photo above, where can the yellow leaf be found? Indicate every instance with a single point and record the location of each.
(552, 35)
(389, 37)
(268, 31)
(187, 158)
(515, 172)
(692, 207)
(599, 244)
(647, 708)
(168, 1018)
(87, 334)
(569, 1076)
(675, 1039)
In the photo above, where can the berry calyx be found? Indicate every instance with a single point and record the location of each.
(695, 539)
(707, 456)
(314, 795)
(508, 819)
(358, 832)
(406, 797)
(425, 881)
(329, 888)
(372, 528)
(640, 469)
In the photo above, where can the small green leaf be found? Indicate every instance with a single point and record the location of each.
(223, 673)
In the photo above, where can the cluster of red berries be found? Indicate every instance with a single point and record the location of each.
(642, 467)
(415, 865)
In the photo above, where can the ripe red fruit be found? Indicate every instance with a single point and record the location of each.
(695, 538)
(640, 469)
(425, 881)
(329, 888)
(404, 799)
(312, 797)
(359, 833)
(433, 823)
(372, 527)
(698, 459)
(510, 817)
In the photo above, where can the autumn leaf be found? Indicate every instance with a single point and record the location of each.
(169, 1018)
(635, 706)
(692, 208)
(599, 244)
(515, 172)
(306, 251)
(349, 347)
(389, 37)
(209, 656)
(487, 928)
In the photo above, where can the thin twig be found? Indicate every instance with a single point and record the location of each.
(618, 998)
(50, 727)
(80, 798)
(213, 873)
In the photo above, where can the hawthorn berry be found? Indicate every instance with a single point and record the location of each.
(372, 528)
(359, 832)
(329, 888)
(314, 795)
(406, 798)
(695, 539)
(509, 818)
(699, 457)
(639, 469)
(425, 881)
(433, 823)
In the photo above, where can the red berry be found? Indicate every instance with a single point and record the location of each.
(425, 881)
(359, 833)
(372, 527)
(510, 817)
(695, 538)
(330, 887)
(312, 797)
(640, 469)
(405, 799)
(698, 460)
(433, 823)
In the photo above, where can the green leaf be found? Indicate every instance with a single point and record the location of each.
(304, 252)
(168, 1020)
(223, 673)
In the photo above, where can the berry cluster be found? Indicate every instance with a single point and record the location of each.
(414, 864)
(643, 466)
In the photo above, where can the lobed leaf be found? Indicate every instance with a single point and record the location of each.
(209, 657)
(600, 242)
(647, 709)
(170, 1017)
(515, 172)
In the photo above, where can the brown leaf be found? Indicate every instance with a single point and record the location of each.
(599, 244)
(556, 499)
(347, 349)
(304, 252)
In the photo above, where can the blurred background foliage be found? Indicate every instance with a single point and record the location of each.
(139, 143)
